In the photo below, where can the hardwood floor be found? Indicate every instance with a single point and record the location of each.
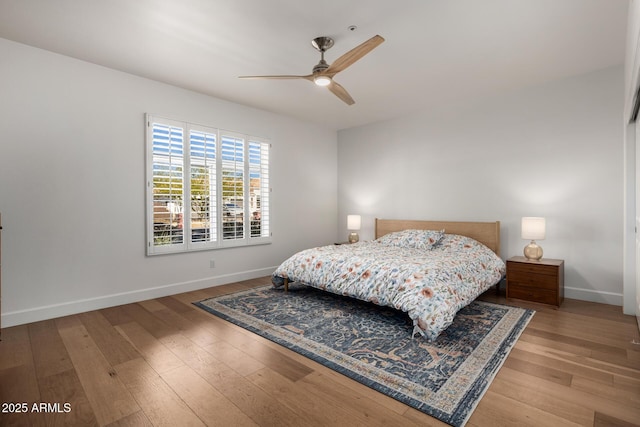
(166, 362)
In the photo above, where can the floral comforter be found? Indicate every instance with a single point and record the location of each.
(431, 283)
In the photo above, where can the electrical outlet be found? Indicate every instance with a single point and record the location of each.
(212, 264)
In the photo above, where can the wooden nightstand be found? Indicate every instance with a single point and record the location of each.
(537, 281)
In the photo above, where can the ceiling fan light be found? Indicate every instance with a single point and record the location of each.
(322, 80)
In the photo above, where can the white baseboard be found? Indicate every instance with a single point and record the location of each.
(20, 317)
(593, 296)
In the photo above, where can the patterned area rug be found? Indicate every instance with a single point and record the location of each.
(445, 379)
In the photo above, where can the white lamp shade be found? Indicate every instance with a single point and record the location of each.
(533, 228)
(353, 222)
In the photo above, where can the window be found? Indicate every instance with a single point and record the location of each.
(206, 188)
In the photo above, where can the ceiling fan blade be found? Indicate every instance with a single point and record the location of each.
(354, 54)
(341, 92)
(307, 77)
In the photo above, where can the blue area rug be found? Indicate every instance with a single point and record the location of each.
(445, 379)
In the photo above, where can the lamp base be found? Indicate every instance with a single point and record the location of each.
(532, 251)
(353, 237)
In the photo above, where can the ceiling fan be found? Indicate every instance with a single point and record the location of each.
(323, 73)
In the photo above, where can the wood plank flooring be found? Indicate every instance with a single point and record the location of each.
(166, 362)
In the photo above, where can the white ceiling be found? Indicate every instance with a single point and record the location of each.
(437, 54)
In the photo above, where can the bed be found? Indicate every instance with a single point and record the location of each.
(428, 269)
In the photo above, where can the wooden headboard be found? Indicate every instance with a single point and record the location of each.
(487, 233)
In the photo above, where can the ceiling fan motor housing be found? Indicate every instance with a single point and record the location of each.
(320, 66)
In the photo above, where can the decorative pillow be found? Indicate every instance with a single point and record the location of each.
(419, 239)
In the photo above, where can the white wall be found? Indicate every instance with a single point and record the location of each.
(72, 187)
(553, 151)
(632, 60)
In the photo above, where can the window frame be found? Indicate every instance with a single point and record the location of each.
(218, 240)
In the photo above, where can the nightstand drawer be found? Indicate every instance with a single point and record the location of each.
(531, 294)
(532, 279)
(538, 269)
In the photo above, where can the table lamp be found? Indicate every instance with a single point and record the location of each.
(353, 225)
(533, 228)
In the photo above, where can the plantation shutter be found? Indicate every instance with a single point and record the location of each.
(203, 187)
(233, 183)
(167, 187)
(259, 189)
